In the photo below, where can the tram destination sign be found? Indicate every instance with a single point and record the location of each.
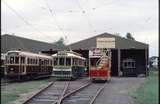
(62, 53)
(95, 52)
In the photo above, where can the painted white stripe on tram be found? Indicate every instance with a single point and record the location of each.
(56, 69)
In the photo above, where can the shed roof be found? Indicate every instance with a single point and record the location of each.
(11, 42)
(120, 43)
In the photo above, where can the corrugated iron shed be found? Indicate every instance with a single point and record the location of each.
(120, 43)
(11, 42)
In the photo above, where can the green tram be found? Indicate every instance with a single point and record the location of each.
(68, 65)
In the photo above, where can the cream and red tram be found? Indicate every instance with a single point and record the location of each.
(2, 64)
(99, 64)
(21, 64)
(68, 65)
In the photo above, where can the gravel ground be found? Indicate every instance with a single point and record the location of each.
(116, 91)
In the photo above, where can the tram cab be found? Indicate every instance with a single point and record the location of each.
(68, 65)
(100, 64)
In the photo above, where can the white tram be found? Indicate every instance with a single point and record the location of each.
(68, 65)
(27, 65)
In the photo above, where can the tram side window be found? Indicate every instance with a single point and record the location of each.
(129, 64)
(74, 61)
(50, 62)
(28, 61)
(42, 62)
(55, 61)
(125, 64)
(68, 61)
(33, 61)
(46, 62)
(83, 63)
(16, 60)
(11, 60)
(7, 59)
(22, 60)
(36, 61)
(61, 61)
(133, 64)
(78, 61)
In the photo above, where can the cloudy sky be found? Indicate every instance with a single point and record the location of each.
(48, 20)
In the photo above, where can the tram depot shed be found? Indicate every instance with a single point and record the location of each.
(123, 50)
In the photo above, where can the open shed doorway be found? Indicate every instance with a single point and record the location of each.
(114, 62)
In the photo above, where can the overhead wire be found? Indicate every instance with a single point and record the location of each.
(23, 19)
(86, 16)
(53, 14)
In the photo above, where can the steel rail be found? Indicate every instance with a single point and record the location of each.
(74, 91)
(50, 84)
(64, 91)
(98, 92)
(62, 96)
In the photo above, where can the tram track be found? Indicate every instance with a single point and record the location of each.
(55, 92)
(86, 95)
(67, 92)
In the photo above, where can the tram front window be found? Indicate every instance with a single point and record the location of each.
(68, 61)
(11, 60)
(93, 61)
(61, 61)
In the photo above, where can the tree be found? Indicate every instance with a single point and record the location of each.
(60, 44)
(129, 36)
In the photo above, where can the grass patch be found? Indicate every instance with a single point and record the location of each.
(11, 92)
(147, 93)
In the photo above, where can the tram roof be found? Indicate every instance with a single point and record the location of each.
(30, 54)
(69, 54)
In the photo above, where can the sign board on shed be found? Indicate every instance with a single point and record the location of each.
(105, 42)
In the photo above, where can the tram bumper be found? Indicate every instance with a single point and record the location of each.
(62, 73)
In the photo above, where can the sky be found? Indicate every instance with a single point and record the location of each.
(75, 20)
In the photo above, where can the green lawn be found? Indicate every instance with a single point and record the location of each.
(10, 93)
(147, 93)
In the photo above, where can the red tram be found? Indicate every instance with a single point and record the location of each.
(27, 65)
(100, 64)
